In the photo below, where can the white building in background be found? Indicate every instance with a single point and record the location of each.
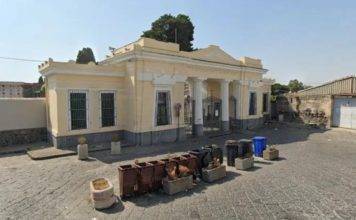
(11, 89)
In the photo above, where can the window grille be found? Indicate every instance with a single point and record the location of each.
(78, 110)
(107, 109)
(163, 108)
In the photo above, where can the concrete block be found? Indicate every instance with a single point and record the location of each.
(105, 203)
(178, 185)
(211, 175)
(244, 163)
(115, 148)
(270, 154)
(82, 151)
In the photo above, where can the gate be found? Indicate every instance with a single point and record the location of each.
(211, 113)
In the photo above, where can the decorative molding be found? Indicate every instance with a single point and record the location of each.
(79, 69)
(243, 82)
(225, 80)
(161, 79)
(254, 83)
(180, 59)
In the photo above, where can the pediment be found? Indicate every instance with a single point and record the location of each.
(215, 54)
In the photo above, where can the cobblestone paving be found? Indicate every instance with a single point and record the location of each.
(315, 178)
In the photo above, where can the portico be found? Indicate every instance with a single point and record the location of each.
(154, 92)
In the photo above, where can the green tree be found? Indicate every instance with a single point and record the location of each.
(278, 89)
(85, 56)
(169, 28)
(295, 85)
(40, 80)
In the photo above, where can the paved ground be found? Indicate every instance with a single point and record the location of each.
(315, 178)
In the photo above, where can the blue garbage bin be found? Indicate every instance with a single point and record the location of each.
(259, 145)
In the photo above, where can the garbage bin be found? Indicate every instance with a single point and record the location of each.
(259, 145)
(244, 148)
(128, 180)
(203, 158)
(231, 150)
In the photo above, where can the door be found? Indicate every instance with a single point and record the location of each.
(344, 113)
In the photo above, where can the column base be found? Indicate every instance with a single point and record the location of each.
(224, 126)
(198, 130)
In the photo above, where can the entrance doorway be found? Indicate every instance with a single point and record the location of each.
(211, 113)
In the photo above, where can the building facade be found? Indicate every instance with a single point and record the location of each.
(11, 89)
(149, 91)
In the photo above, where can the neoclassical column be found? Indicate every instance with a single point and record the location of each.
(198, 107)
(240, 100)
(224, 95)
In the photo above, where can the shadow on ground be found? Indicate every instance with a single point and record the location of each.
(117, 207)
(276, 133)
(156, 198)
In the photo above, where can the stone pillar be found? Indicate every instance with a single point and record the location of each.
(242, 97)
(198, 107)
(224, 95)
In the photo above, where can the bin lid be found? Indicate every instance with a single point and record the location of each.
(245, 141)
(259, 138)
(230, 142)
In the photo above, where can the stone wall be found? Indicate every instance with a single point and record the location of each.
(22, 136)
(315, 109)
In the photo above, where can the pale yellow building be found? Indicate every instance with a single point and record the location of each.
(149, 91)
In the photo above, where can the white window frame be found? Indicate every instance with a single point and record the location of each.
(115, 107)
(86, 92)
(169, 91)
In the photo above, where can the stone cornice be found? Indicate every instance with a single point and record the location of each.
(161, 79)
(62, 68)
(145, 55)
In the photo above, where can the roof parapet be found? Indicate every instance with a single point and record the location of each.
(248, 61)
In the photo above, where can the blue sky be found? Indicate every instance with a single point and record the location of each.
(313, 41)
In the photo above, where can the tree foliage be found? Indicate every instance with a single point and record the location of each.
(278, 89)
(85, 56)
(295, 85)
(168, 27)
(40, 80)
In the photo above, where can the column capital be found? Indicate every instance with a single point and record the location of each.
(243, 82)
(199, 78)
(225, 80)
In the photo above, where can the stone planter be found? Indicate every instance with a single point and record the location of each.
(158, 174)
(172, 187)
(270, 154)
(243, 163)
(145, 177)
(102, 193)
(211, 175)
(82, 151)
(128, 180)
(115, 148)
